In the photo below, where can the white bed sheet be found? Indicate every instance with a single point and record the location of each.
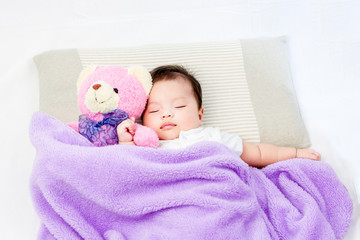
(324, 52)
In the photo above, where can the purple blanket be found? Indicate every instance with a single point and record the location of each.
(202, 192)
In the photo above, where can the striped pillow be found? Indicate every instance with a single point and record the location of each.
(235, 97)
(219, 69)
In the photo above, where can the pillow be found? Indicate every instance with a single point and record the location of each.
(247, 84)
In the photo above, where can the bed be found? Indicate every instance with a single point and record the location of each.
(248, 79)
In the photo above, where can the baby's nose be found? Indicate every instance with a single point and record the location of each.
(167, 115)
(96, 86)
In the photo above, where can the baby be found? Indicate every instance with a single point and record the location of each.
(174, 111)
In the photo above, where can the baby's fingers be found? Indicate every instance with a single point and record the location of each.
(125, 137)
(131, 125)
(126, 126)
(314, 155)
(317, 155)
(308, 153)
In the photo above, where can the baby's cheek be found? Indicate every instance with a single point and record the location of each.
(150, 122)
(190, 123)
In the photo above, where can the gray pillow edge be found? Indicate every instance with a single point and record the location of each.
(272, 118)
(62, 67)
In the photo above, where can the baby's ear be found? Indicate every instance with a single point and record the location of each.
(84, 74)
(201, 113)
(143, 76)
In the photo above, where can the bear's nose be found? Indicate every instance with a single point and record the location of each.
(96, 86)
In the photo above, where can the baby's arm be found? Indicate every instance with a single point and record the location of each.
(263, 154)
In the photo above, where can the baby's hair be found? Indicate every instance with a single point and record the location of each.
(170, 72)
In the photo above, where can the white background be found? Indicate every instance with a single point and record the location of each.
(324, 51)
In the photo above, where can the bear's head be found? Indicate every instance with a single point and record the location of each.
(104, 89)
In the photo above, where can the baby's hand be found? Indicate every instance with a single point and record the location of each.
(126, 130)
(308, 153)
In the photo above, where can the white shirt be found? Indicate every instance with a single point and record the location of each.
(190, 137)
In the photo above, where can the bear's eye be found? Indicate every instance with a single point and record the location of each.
(116, 90)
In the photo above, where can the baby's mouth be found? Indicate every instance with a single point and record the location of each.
(167, 125)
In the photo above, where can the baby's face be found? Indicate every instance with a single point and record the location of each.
(172, 107)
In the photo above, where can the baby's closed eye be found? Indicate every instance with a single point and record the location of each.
(181, 106)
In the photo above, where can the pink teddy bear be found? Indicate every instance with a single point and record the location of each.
(107, 96)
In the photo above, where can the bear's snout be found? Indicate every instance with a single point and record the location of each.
(101, 97)
(96, 86)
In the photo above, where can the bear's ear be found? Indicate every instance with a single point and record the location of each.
(143, 76)
(84, 74)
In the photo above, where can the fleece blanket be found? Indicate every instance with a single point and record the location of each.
(202, 192)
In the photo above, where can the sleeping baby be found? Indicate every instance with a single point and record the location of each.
(174, 111)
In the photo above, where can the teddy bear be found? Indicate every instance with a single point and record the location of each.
(108, 95)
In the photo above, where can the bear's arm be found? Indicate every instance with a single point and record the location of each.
(74, 125)
(145, 137)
